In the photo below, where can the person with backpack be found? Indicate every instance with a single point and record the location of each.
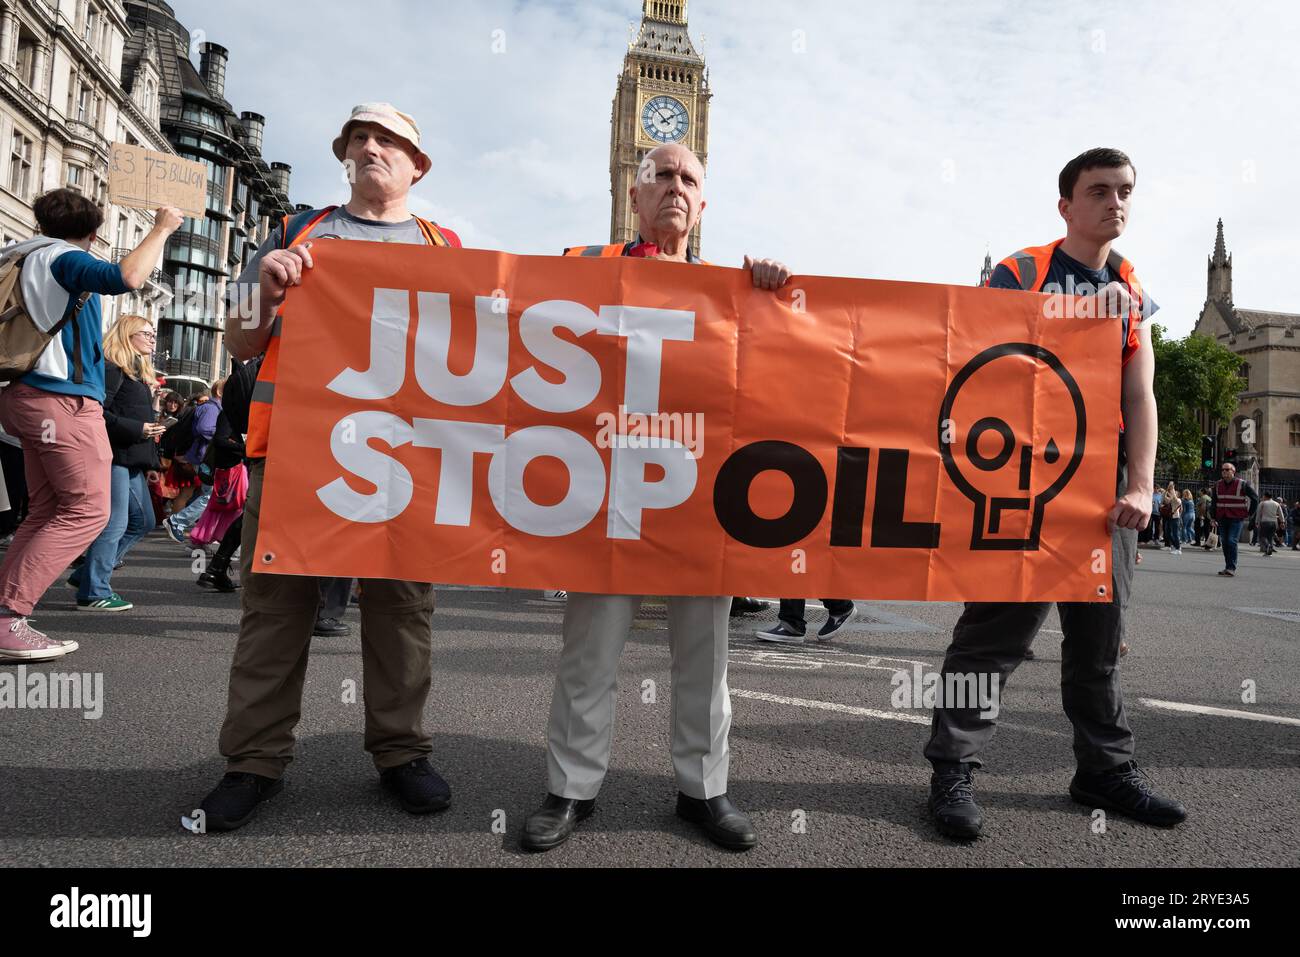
(51, 334)
(380, 148)
(128, 416)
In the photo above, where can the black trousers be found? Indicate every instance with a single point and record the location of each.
(335, 593)
(792, 610)
(991, 638)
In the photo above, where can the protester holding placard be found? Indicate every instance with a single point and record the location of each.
(668, 199)
(380, 148)
(56, 408)
(992, 638)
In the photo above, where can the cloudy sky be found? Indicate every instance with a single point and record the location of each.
(879, 140)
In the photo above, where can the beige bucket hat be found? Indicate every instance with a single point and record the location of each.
(401, 125)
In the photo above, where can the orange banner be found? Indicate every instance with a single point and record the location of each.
(642, 427)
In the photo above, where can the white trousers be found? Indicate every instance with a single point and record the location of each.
(581, 728)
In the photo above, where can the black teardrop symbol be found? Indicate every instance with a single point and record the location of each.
(1051, 453)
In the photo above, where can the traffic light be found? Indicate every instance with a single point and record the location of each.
(1207, 452)
(1230, 455)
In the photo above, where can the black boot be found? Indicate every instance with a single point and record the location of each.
(218, 575)
(952, 800)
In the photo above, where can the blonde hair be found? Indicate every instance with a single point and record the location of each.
(119, 351)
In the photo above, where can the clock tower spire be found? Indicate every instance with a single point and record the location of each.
(662, 96)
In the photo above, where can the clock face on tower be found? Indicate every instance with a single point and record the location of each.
(665, 119)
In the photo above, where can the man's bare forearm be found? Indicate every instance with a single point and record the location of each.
(1141, 425)
(244, 337)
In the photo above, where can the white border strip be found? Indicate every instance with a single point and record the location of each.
(832, 706)
(1217, 712)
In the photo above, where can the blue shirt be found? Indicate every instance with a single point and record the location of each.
(79, 272)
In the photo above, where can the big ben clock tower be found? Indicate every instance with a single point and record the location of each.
(662, 97)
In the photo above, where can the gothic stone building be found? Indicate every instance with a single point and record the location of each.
(1268, 343)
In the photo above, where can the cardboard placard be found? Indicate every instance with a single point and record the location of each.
(147, 179)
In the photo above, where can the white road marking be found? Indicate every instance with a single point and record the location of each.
(814, 659)
(1284, 614)
(1217, 712)
(832, 706)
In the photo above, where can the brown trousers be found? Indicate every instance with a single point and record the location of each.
(266, 675)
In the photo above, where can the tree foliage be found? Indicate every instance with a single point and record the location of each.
(1193, 375)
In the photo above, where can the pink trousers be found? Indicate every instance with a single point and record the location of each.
(68, 463)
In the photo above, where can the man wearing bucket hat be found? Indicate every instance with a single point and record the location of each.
(380, 149)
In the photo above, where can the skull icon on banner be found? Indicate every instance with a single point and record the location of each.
(1000, 446)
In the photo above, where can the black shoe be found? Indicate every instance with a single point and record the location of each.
(233, 802)
(782, 634)
(952, 801)
(834, 623)
(552, 823)
(722, 821)
(746, 606)
(1029, 654)
(419, 788)
(222, 582)
(1128, 790)
(330, 628)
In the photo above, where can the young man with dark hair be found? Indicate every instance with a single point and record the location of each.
(56, 409)
(1096, 195)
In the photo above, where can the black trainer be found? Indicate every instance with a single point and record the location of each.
(233, 802)
(835, 623)
(418, 787)
(1128, 790)
(952, 800)
(330, 628)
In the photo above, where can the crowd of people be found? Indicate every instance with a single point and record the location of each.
(110, 454)
(1201, 520)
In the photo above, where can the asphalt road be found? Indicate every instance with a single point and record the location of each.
(829, 771)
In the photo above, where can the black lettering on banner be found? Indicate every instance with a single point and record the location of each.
(731, 494)
(888, 528)
(849, 508)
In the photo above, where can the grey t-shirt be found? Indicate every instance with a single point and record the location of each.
(1269, 512)
(340, 224)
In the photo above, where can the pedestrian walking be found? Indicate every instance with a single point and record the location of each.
(133, 435)
(56, 409)
(1233, 501)
(791, 627)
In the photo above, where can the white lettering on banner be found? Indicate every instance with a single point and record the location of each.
(630, 495)
(459, 441)
(389, 319)
(645, 330)
(586, 481)
(433, 345)
(581, 371)
(393, 487)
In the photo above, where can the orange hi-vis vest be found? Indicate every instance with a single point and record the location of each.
(1232, 499)
(1030, 267)
(259, 408)
(619, 249)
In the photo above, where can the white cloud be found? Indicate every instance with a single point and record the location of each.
(901, 143)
